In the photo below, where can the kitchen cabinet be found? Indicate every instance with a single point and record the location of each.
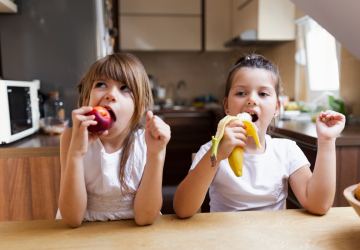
(160, 7)
(30, 179)
(7, 7)
(189, 131)
(217, 24)
(347, 154)
(272, 20)
(160, 25)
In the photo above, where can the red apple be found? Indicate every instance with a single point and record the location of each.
(103, 118)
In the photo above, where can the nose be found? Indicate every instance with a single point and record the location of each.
(252, 100)
(111, 95)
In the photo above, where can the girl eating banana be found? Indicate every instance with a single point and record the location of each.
(264, 166)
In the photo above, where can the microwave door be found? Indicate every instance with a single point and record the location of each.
(19, 109)
(19, 117)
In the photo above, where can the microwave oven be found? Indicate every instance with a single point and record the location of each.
(19, 110)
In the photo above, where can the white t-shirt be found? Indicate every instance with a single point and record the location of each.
(104, 198)
(264, 182)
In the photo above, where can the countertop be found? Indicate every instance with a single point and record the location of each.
(37, 144)
(305, 131)
(279, 229)
(182, 110)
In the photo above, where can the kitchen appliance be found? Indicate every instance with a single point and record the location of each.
(19, 112)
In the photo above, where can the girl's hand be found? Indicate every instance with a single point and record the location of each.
(81, 139)
(234, 136)
(157, 133)
(332, 127)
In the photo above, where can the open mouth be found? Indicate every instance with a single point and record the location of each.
(254, 117)
(113, 116)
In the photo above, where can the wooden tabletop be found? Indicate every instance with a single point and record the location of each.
(280, 229)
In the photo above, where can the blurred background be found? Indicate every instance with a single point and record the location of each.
(187, 48)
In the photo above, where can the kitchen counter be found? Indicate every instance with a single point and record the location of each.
(305, 131)
(34, 145)
(182, 110)
(30, 178)
(30, 167)
(279, 229)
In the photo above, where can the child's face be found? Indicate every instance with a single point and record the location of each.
(114, 95)
(253, 91)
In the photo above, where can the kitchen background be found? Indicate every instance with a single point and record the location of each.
(57, 42)
(181, 44)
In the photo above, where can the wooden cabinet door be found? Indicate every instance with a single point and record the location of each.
(244, 16)
(276, 20)
(217, 24)
(161, 25)
(272, 19)
(160, 7)
(188, 134)
(160, 33)
(29, 188)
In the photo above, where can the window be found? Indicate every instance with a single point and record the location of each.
(322, 62)
(319, 53)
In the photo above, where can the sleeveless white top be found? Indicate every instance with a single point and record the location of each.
(105, 201)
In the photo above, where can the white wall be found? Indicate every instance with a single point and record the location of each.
(341, 18)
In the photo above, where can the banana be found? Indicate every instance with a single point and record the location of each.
(236, 156)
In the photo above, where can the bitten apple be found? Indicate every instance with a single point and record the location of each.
(103, 118)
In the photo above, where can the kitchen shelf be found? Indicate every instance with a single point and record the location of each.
(7, 7)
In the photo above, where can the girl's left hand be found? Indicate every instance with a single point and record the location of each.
(157, 133)
(332, 127)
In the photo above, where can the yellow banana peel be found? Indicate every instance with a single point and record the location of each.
(236, 157)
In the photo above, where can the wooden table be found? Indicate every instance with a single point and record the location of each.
(281, 229)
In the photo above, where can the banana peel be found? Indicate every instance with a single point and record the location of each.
(236, 158)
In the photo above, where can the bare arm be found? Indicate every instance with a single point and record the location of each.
(73, 198)
(73, 145)
(191, 192)
(315, 191)
(148, 200)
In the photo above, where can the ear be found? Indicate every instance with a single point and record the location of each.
(225, 104)
(277, 109)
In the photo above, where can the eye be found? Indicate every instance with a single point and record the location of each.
(100, 85)
(125, 88)
(240, 93)
(263, 94)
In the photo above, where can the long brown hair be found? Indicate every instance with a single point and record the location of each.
(127, 69)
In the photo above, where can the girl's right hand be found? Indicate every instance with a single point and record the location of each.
(234, 136)
(81, 139)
